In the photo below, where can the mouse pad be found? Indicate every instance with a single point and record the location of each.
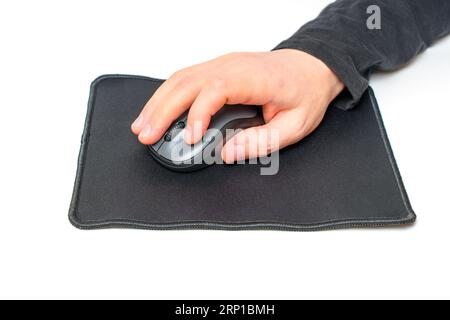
(342, 175)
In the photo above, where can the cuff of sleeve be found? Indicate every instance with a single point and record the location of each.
(341, 64)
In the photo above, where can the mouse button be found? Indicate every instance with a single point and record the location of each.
(157, 145)
(176, 128)
(177, 150)
(168, 146)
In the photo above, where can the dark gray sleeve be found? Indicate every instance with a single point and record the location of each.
(340, 37)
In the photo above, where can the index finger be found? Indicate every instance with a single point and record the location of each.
(177, 96)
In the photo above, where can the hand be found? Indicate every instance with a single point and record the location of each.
(293, 88)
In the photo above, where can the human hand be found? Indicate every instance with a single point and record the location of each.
(293, 88)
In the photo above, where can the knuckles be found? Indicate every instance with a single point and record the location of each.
(181, 77)
(217, 84)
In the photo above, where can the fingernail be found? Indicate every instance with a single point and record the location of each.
(240, 152)
(137, 124)
(197, 131)
(193, 134)
(227, 156)
(234, 151)
(146, 131)
(188, 134)
(239, 139)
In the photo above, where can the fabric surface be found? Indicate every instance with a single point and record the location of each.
(342, 175)
(339, 37)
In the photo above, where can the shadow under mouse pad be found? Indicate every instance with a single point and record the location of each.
(342, 175)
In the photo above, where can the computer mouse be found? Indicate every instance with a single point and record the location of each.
(172, 152)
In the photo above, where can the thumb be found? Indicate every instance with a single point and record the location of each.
(260, 141)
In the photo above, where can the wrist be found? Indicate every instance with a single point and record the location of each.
(320, 74)
(335, 84)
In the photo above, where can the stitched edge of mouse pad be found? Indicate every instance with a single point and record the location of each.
(127, 223)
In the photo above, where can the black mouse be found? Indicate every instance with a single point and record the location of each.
(174, 153)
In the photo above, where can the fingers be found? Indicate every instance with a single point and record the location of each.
(285, 128)
(210, 100)
(208, 86)
(173, 98)
(189, 79)
(163, 116)
(144, 116)
(228, 89)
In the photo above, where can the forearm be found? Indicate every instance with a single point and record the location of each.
(340, 38)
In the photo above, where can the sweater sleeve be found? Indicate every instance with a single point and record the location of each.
(342, 38)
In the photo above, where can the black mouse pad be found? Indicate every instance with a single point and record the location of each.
(342, 175)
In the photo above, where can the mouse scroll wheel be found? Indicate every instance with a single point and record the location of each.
(177, 126)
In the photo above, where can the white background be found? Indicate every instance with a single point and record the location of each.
(50, 51)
